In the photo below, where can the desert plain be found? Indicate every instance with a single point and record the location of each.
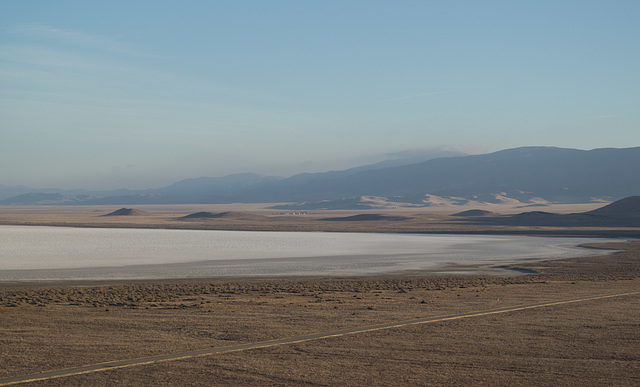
(261, 217)
(54, 326)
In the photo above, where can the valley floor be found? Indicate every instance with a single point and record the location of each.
(258, 217)
(593, 342)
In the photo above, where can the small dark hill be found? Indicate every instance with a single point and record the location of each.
(622, 213)
(200, 215)
(221, 215)
(533, 205)
(624, 208)
(128, 212)
(475, 213)
(535, 214)
(367, 218)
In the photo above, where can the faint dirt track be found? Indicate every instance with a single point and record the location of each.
(292, 340)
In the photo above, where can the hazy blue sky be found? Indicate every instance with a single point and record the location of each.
(139, 94)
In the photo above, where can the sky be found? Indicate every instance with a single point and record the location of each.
(140, 94)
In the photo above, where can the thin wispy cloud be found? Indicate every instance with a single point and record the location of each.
(64, 36)
(467, 149)
(52, 58)
(42, 56)
(605, 116)
(418, 95)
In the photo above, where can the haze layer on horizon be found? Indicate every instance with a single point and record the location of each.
(141, 94)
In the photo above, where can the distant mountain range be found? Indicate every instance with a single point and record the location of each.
(529, 175)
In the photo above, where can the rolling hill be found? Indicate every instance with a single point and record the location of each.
(622, 213)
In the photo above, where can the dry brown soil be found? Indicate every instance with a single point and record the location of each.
(596, 342)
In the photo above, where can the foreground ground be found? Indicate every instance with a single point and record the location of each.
(593, 342)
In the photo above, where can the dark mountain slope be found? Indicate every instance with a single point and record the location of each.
(623, 208)
(556, 174)
(622, 213)
(553, 174)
